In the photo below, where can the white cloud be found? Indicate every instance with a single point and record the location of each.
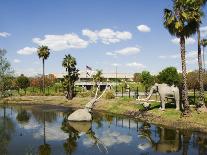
(188, 41)
(110, 138)
(203, 31)
(143, 28)
(110, 54)
(162, 57)
(53, 133)
(106, 36)
(128, 51)
(191, 57)
(61, 42)
(135, 64)
(115, 64)
(27, 51)
(17, 61)
(4, 34)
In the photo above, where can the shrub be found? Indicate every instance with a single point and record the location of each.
(84, 94)
(109, 94)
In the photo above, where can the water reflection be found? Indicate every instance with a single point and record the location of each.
(6, 130)
(45, 131)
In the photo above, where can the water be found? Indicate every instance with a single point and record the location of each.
(44, 130)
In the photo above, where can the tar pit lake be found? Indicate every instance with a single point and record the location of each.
(44, 130)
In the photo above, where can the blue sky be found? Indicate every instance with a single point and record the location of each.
(100, 34)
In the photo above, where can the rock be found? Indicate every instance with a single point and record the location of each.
(81, 126)
(80, 115)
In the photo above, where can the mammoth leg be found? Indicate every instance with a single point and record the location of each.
(162, 103)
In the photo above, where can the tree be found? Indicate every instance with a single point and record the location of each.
(97, 78)
(147, 80)
(5, 73)
(204, 44)
(169, 76)
(43, 53)
(137, 77)
(182, 22)
(199, 5)
(192, 80)
(69, 63)
(23, 82)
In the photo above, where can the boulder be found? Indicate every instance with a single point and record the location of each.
(80, 115)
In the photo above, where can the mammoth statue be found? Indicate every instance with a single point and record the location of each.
(164, 92)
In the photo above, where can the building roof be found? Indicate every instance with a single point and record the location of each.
(105, 75)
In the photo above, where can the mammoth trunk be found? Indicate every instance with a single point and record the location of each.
(150, 94)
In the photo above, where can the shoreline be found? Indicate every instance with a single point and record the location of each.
(170, 118)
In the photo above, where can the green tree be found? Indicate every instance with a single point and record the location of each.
(192, 80)
(200, 4)
(182, 22)
(23, 82)
(147, 80)
(97, 78)
(43, 53)
(169, 76)
(137, 77)
(69, 63)
(5, 73)
(204, 44)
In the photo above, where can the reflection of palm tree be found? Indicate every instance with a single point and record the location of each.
(41, 116)
(6, 129)
(23, 116)
(71, 143)
(44, 149)
(169, 140)
(201, 140)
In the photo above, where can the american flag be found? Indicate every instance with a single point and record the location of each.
(88, 68)
(88, 71)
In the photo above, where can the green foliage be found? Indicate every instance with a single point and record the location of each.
(147, 80)
(23, 82)
(109, 94)
(184, 19)
(98, 76)
(85, 93)
(137, 77)
(169, 76)
(6, 81)
(69, 63)
(43, 52)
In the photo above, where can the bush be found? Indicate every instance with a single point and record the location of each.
(84, 94)
(109, 94)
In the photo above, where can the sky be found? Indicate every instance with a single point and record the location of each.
(127, 34)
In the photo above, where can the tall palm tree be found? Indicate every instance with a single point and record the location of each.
(43, 53)
(69, 63)
(204, 44)
(200, 4)
(181, 22)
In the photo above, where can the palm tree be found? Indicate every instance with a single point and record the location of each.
(69, 63)
(201, 104)
(43, 53)
(98, 77)
(204, 44)
(181, 22)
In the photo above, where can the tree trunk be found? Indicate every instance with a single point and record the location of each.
(184, 78)
(204, 65)
(43, 83)
(200, 76)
